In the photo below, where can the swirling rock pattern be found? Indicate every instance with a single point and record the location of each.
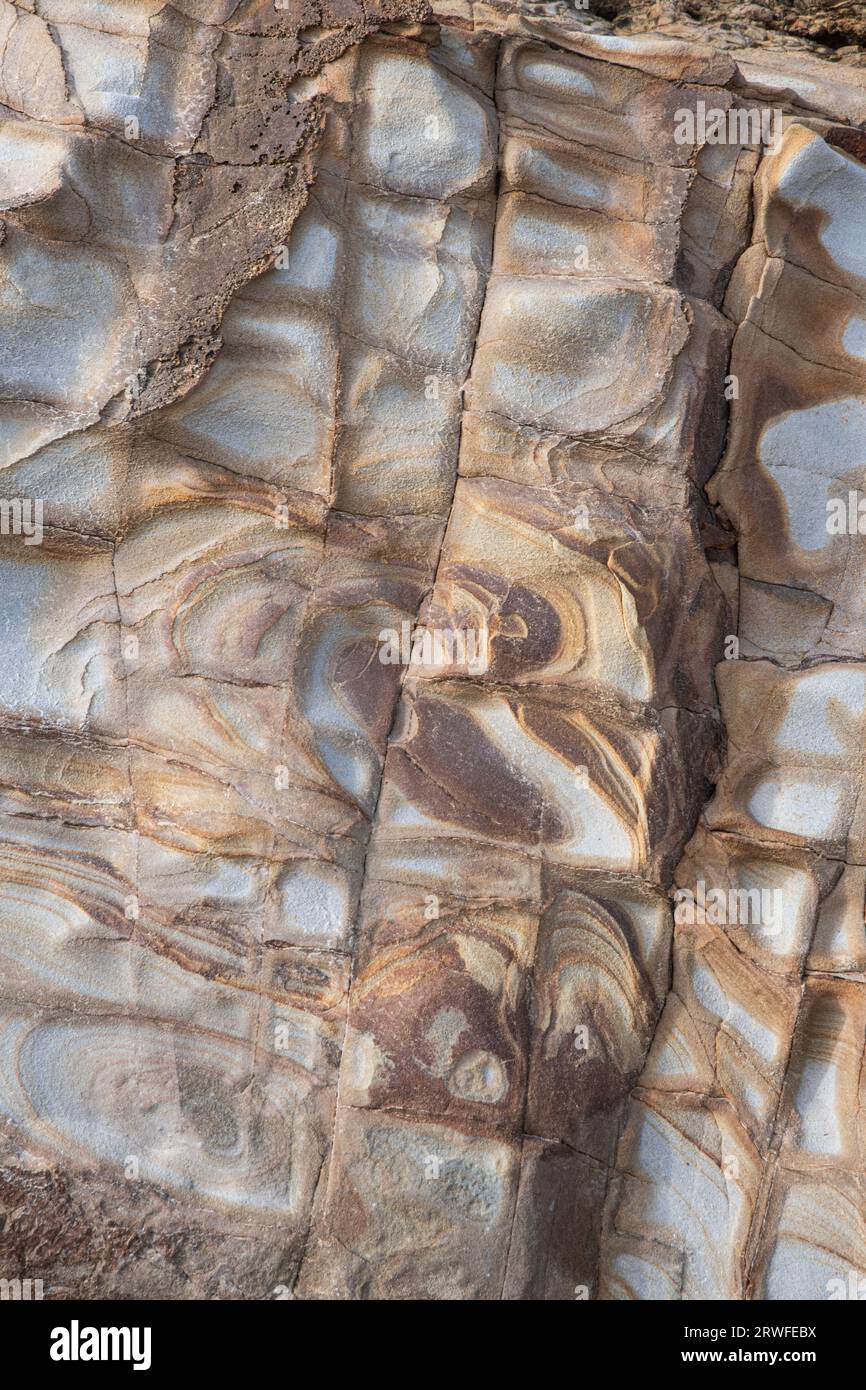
(401, 896)
(753, 1082)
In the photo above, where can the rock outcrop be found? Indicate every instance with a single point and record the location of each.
(431, 818)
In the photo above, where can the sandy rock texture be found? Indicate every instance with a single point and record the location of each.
(432, 830)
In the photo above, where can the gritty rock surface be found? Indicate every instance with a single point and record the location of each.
(432, 833)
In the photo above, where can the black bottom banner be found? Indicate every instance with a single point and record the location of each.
(222, 1338)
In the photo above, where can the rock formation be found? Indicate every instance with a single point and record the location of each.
(431, 818)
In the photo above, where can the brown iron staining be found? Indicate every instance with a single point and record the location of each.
(358, 978)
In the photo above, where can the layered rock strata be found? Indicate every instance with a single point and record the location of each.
(328, 970)
(742, 1157)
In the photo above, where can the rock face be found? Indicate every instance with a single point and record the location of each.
(431, 802)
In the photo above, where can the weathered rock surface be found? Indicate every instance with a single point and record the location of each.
(431, 802)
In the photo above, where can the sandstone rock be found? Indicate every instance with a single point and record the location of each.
(431, 824)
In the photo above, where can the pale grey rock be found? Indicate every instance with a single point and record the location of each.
(531, 971)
